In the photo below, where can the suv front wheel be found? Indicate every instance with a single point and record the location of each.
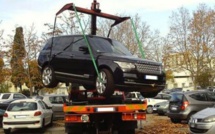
(48, 77)
(105, 84)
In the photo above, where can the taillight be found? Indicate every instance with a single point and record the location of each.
(5, 115)
(38, 113)
(184, 105)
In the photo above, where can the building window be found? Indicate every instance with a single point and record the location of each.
(175, 85)
(190, 84)
(183, 84)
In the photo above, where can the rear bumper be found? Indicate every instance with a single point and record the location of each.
(181, 116)
(22, 124)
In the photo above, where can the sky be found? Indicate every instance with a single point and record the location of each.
(155, 13)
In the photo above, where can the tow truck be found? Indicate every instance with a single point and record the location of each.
(88, 113)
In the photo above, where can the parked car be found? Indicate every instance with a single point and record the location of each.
(5, 104)
(162, 107)
(56, 102)
(1, 116)
(27, 113)
(133, 96)
(11, 96)
(203, 121)
(183, 105)
(71, 61)
(151, 102)
(161, 97)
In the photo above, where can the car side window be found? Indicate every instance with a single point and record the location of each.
(18, 96)
(211, 96)
(42, 105)
(199, 96)
(78, 42)
(56, 100)
(166, 97)
(6, 96)
(158, 96)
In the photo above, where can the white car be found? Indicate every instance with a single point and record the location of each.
(11, 96)
(56, 102)
(161, 97)
(27, 113)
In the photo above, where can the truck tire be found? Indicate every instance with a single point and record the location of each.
(106, 86)
(7, 131)
(149, 110)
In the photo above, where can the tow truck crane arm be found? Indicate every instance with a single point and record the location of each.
(94, 12)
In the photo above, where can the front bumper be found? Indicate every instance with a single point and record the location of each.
(201, 127)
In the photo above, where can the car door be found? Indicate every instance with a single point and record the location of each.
(81, 62)
(60, 57)
(211, 98)
(200, 101)
(45, 112)
(57, 106)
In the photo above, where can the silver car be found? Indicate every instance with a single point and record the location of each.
(56, 102)
(203, 122)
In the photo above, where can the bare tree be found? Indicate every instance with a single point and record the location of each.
(191, 40)
(32, 47)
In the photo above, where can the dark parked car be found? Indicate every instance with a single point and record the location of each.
(183, 105)
(70, 59)
(5, 104)
(1, 116)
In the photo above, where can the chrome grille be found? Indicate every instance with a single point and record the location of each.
(149, 69)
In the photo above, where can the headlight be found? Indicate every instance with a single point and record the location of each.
(125, 65)
(209, 119)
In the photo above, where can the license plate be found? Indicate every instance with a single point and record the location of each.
(173, 108)
(155, 108)
(20, 116)
(151, 77)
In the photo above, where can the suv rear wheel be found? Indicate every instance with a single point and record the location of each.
(105, 85)
(48, 77)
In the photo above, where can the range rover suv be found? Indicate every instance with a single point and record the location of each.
(67, 59)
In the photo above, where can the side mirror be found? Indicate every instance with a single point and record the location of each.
(84, 49)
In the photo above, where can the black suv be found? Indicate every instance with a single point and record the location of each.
(183, 105)
(67, 59)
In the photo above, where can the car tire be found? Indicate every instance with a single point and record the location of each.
(48, 77)
(175, 120)
(42, 128)
(7, 131)
(149, 110)
(106, 87)
(51, 122)
(148, 95)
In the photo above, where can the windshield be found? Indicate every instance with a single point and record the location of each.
(106, 45)
(22, 106)
(176, 97)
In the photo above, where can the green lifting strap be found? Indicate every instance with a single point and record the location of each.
(88, 45)
(139, 43)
